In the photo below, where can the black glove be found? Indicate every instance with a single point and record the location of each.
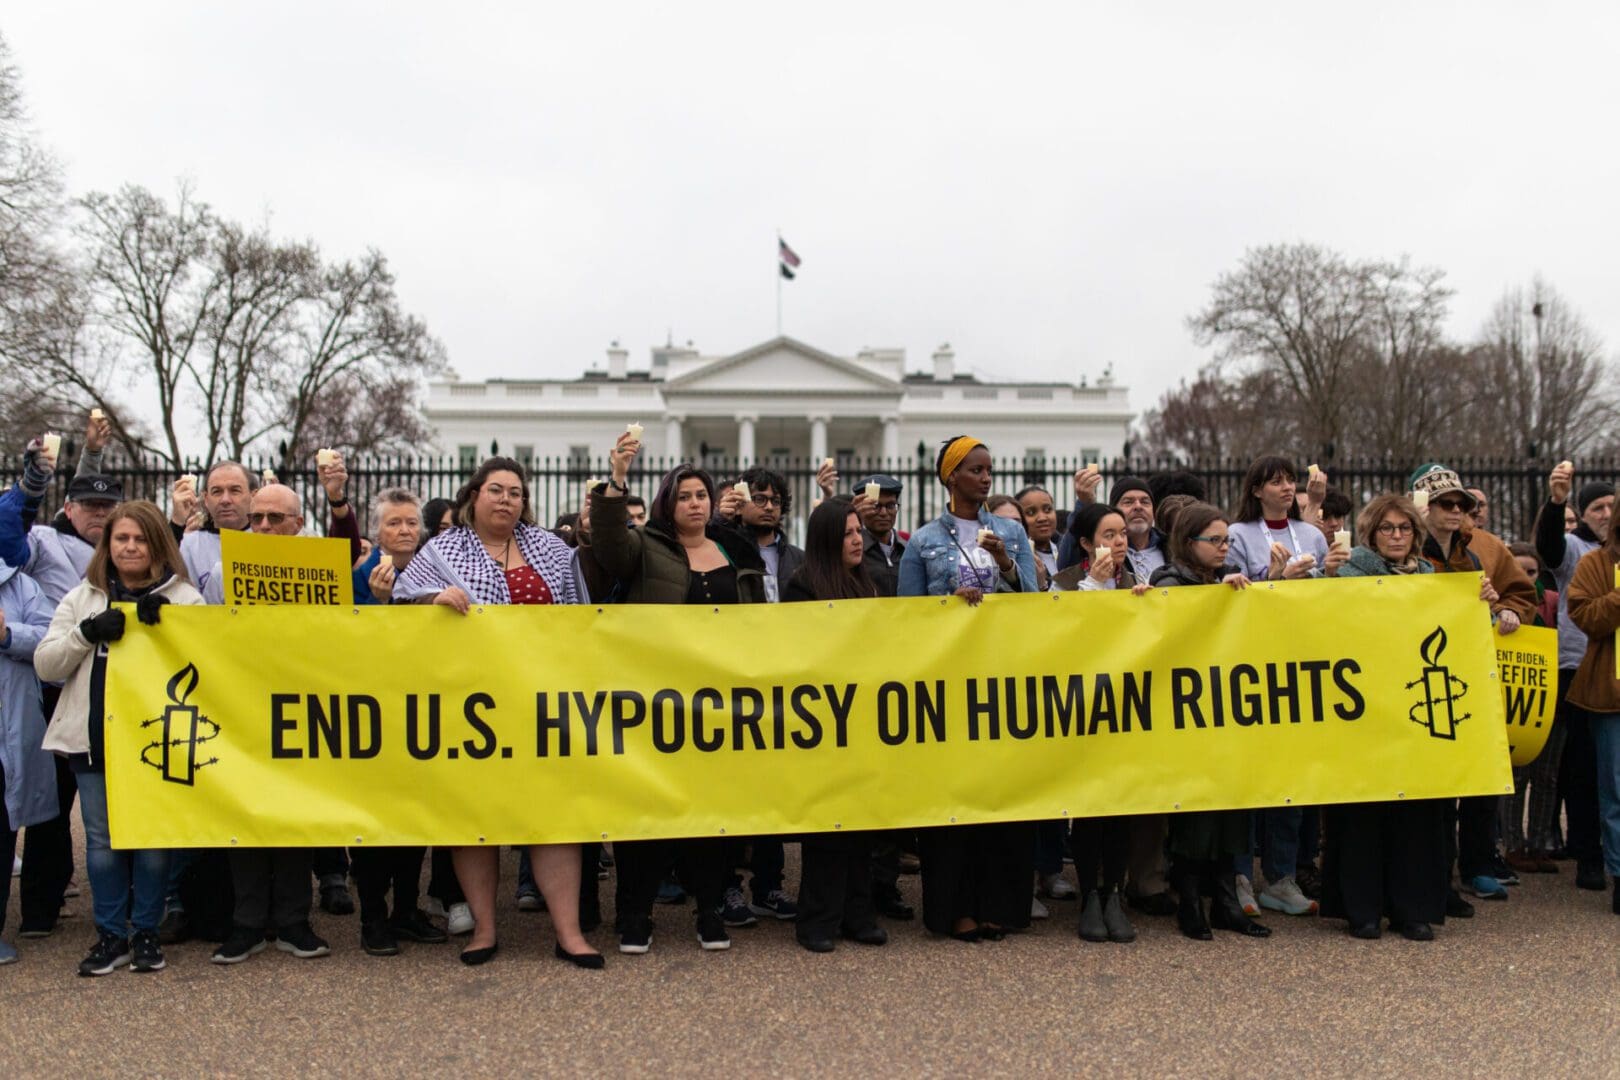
(148, 608)
(99, 629)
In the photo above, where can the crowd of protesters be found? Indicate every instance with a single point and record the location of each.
(1406, 867)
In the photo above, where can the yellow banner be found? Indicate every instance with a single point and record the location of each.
(1527, 661)
(263, 569)
(415, 725)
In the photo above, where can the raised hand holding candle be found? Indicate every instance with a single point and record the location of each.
(634, 431)
(1420, 499)
(1341, 539)
(741, 488)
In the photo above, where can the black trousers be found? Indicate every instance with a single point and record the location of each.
(443, 885)
(642, 864)
(271, 886)
(980, 872)
(48, 855)
(379, 869)
(764, 858)
(835, 884)
(886, 848)
(1386, 859)
(1577, 778)
(1471, 826)
(329, 865)
(1101, 847)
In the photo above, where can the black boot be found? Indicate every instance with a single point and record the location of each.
(1119, 927)
(1225, 913)
(1092, 927)
(1190, 909)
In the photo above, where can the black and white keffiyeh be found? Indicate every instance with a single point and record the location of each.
(456, 559)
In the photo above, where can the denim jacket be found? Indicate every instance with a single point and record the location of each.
(928, 568)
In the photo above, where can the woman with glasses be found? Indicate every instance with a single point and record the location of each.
(975, 878)
(1387, 858)
(496, 554)
(1205, 844)
(681, 556)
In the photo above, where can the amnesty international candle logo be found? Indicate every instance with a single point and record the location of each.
(1441, 690)
(174, 752)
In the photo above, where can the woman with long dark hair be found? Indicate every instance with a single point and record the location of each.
(835, 883)
(496, 554)
(681, 556)
(976, 878)
(1204, 844)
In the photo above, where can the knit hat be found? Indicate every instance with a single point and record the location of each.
(1124, 486)
(1590, 493)
(1437, 480)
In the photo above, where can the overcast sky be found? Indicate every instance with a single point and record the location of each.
(1049, 188)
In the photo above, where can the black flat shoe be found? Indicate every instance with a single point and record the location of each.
(590, 961)
(868, 935)
(991, 933)
(1457, 907)
(1417, 931)
(818, 944)
(1366, 931)
(966, 935)
(474, 957)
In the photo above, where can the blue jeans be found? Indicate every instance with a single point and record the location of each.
(1278, 831)
(1606, 737)
(113, 874)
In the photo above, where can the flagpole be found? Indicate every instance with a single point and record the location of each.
(776, 265)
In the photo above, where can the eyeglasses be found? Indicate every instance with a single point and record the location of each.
(884, 507)
(1216, 541)
(507, 494)
(271, 516)
(1393, 528)
(1452, 505)
(762, 501)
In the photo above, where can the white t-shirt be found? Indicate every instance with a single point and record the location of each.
(975, 566)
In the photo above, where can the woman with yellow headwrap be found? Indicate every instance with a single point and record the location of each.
(975, 878)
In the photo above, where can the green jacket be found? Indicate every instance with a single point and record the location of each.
(650, 565)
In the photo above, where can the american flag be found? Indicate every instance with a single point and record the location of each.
(790, 259)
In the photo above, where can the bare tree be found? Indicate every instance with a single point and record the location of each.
(1543, 379)
(151, 286)
(368, 413)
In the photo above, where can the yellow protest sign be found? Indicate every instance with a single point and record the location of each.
(415, 725)
(1527, 661)
(261, 569)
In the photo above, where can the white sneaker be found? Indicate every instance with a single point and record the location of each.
(1283, 895)
(1245, 893)
(16, 866)
(434, 906)
(461, 920)
(1056, 887)
(1037, 910)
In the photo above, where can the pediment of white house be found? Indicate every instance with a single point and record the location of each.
(781, 366)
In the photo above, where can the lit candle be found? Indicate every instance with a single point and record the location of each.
(385, 559)
(1570, 465)
(741, 488)
(189, 480)
(634, 431)
(96, 414)
(1420, 499)
(325, 457)
(1341, 539)
(827, 463)
(872, 491)
(268, 476)
(1313, 470)
(1094, 467)
(52, 445)
(986, 534)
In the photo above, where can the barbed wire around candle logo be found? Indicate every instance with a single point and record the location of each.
(1441, 690)
(184, 726)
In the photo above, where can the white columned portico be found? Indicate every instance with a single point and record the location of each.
(891, 437)
(745, 438)
(818, 439)
(672, 437)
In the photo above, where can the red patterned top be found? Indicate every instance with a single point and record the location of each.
(526, 586)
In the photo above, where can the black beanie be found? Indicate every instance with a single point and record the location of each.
(1590, 493)
(1126, 484)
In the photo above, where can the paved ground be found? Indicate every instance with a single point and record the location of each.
(1530, 987)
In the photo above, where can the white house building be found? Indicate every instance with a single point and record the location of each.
(781, 399)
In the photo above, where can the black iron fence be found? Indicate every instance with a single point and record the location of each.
(1515, 488)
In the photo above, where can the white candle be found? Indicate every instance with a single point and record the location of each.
(1094, 467)
(268, 476)
(95, 414)
(385, 559)
(1341, 539)
(52, 445)
(986, 534)
(827, 463)
(872, 491)
(1570, 465)
(634, 431)
(188, 480)
(740, 488)
(325, 456)
(1420, 499)
(1313, 470)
